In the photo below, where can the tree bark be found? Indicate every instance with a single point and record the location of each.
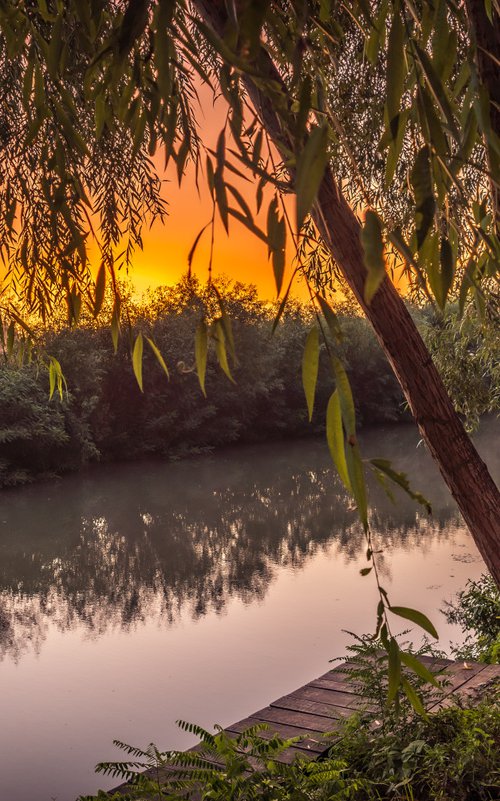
(461, 466)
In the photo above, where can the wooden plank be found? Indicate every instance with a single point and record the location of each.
(458, 674)
(325, 695)
(344, 685)
(312, 741)
(475, 686)
(302, 720)
(296, 703)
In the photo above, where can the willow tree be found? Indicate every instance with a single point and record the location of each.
(384, 111)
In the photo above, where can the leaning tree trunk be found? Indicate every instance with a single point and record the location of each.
(461, 466)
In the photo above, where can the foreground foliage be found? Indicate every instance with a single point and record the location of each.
(477, 611)
(383, 751)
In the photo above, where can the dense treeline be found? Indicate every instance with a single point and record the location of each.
(104, 415)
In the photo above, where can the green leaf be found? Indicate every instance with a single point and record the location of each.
(158, 355)
(395, 146)
(56, 378)
(283, 304)
(311, 165)
(335, 438)
(447, 270)
(354, 462)
(437, 90)
(394, 677)
(401, 479)
(248, 223)
(421, 181)
(100, 288)
(137, 359)
(310, 365)
(413, 698)
(416, 617)
(373, 248)
(276, 235)
(52, 380)
(99, 115)
(10, 339)
(376, 39)
(195, 245)
(357, 478)
(200, 353)
(395, 72)
(345, 396)
(225, 321)
(419, 668)
(115, 323)
(330, 318)
(220, 349)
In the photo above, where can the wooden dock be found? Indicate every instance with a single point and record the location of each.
(314, 709)
(318, 707)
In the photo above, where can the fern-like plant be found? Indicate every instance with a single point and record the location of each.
(226, 767)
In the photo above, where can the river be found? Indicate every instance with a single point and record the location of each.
(133, 595)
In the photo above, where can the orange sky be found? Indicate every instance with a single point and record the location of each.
(241, 255)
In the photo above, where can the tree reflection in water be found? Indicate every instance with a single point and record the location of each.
(151, 540)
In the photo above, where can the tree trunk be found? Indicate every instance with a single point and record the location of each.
(461, 466)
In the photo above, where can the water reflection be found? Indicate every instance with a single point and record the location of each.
(154, 541)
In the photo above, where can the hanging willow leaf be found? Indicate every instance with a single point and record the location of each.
(311, 165)
(100, 288)
(137, 359)
(401, 479)
(56, 378)
(310, 365)
(395, 146)
(52, 380)
(418, 667)
(159, 357)
(331, 318)
(394, 670)
(373, 248)
(421, 181)
(447, 271)
(248, 223)
(194, 246)
(437, 90)
(200, 353)
(283, 303)
(413, 698)
(276, 235)
(115, 323)
(357, 478)
(354, 462)
(220, 348)
(416, 617)
(395, 73)
(345, 397)
(335, 438)
(225, 322)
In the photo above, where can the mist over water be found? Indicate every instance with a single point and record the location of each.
(133, 595)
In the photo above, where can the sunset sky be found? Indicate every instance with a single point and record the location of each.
(241, 255)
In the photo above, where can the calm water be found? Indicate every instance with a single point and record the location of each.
(136, 595)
